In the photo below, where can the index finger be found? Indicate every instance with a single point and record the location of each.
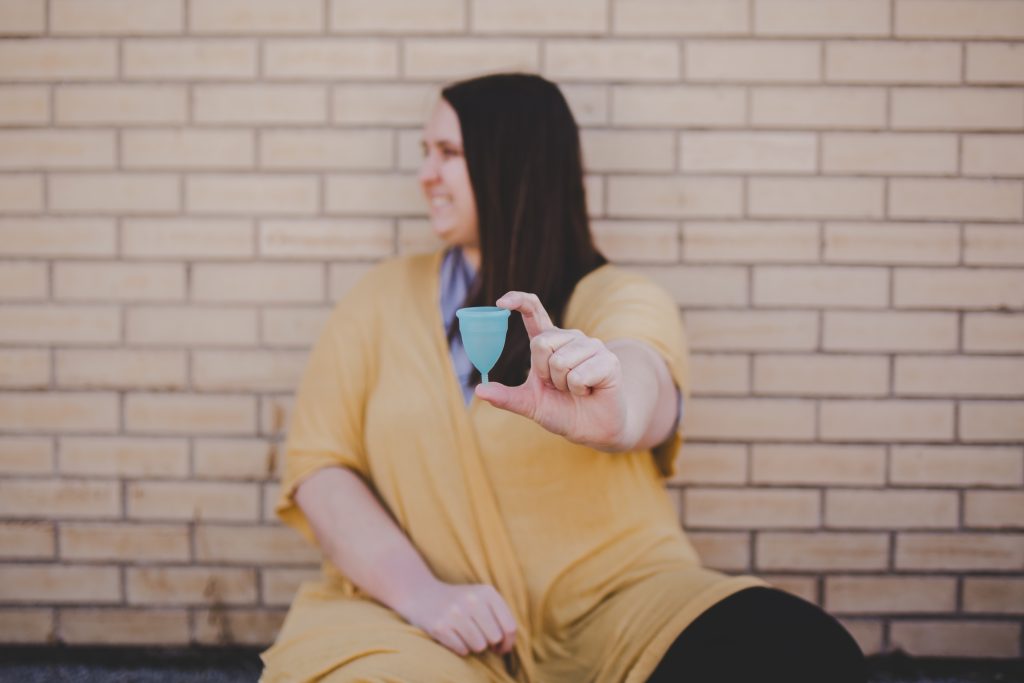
(535, 317)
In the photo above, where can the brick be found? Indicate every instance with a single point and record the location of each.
(52, 498)
(821, 17)
(174, 325)
(752, 330)
(997, 596)
(414, 236)
(992, 421)
(681, 17)
(949, 109)
(189, 414)
(250, 459)
(123, 457)
(959, 376)
(951, 552)
(64, 325)
(258, 282)
(821, 375)
(754, 419)
(886, 420)
(241, 626)
(397, 16)
(993, 155)
(27, 540)
(820, 286)
(378, 195)
(594, 194)
(23, 104)
(816, 197)
(805, 587)
(23, 281)
(259, 104)
(876, 61)
(994, 509)
(952, 288)
(705, 106)
(817, 464)
(193, 60)
(279, 586)
(201, 149)
(264, 194)
(751, 508)
(889, 153)
(354, 238)
(317, 149)
(705, 463)
(255, 16)
(889, 331)
(58, 149)
(329, 59)
(193, 501)
(59, 412)
(958, 19)
(537, 16)
(614, 150)
(116, 17)
(247, 370)
(451, 58)
(21, 193)
(889, 594)
(128, 542)
(748, 152)
(191, 238)
(995, 63)
(948, 199)
(256, 544)
(818, 107)
(382, 104)
(720, 374)
(895, 243)
(993, 332)
(121, 369)
(114, 193)
(24, 368)
(121, 627)
(119, 281)
(821, 551)
(190, 586)
(34, 626)
(271, 493)
(760, 242)
(674, 197)
(48, 583)
(753, 61)
(956, 466)
(893, 509)
(722, 550)
(26, 455)
(39, 236)
(637, 241)
(724, 286)
(22, 17)
(589, 103)
(120, 104)
(956, 639)
(292, 326)
(57, 60)
(609, 59)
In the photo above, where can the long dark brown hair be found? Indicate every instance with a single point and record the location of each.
(522, 150)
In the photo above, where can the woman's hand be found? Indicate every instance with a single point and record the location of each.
(463, 617)
(575, 386)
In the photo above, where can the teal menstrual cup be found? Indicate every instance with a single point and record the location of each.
(483, 330)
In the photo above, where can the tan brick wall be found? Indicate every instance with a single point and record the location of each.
(832, 190)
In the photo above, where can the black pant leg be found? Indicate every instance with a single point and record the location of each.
(763, 634)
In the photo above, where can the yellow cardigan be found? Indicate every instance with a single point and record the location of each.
(584, 546)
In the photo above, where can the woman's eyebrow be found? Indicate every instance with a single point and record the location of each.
(440, 141)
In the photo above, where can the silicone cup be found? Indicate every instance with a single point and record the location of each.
(483, 330)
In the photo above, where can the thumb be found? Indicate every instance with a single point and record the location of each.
(518, 400)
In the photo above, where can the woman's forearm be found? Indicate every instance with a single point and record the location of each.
(359, 536)
(651, 400)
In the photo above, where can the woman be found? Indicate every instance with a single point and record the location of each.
(518, 530)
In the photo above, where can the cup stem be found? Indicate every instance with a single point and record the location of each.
(484, 378)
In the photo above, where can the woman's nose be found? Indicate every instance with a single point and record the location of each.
(428, 169)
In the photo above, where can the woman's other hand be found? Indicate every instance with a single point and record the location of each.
(575, 386)
(464, 618)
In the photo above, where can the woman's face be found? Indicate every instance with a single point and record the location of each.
(444, 178)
